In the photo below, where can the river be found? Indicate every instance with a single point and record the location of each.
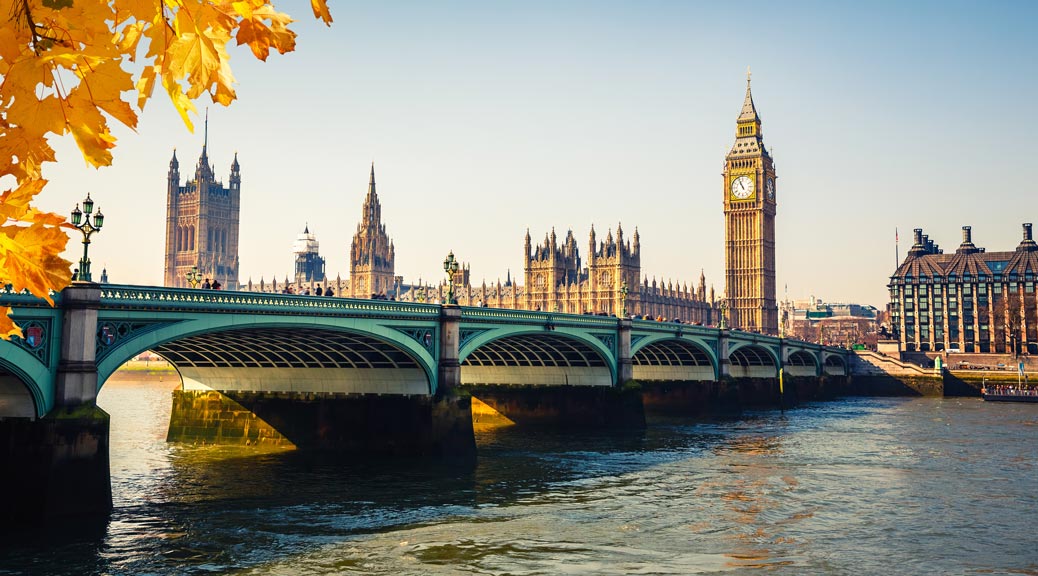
(856, 486)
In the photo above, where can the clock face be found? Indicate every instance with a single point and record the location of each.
(771, 189)
(742, 187)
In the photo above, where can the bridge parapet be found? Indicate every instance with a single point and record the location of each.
(24, 299)
(132, 297)
(497, 315)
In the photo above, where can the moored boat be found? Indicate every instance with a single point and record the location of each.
(1009, 394)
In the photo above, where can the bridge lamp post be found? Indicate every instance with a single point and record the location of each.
(194, 277)
(724, 313)
(87, 228)
(623, 299)
(450, 266)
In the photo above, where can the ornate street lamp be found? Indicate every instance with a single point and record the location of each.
(623, 299)
(194, 277)
(87, 228)
(724, 313)
(450, 266)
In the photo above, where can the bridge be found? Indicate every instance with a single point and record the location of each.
(308, 344)
(361, 375)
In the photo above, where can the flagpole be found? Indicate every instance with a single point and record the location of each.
(897, 252)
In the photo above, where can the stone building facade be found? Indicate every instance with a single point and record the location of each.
(970, 301)
(202, 224)
(372, 255)
(830, 323)
(558, 280)
(749, 226)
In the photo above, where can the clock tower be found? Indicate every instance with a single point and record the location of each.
(749, 226)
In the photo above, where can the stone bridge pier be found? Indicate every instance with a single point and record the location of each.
(57, 466)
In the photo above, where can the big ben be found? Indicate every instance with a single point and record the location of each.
(749, 226)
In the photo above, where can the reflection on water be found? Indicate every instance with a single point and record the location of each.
(863, 486)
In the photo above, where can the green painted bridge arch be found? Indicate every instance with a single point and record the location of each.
(272, 343)
(514, 347)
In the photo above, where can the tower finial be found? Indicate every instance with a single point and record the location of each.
(749, 111)
(205, 138)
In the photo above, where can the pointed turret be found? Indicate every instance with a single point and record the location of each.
(174, 170)
(749, 111)
(235, 173)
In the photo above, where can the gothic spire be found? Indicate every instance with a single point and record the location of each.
(371, 182)
(174, 163)
(749, 111)
(204, 170)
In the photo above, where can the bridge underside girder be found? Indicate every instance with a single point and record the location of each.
(752, 362)
(834, 366)
(672, 360)
(535, 359)
(294, 360)
(801, 363)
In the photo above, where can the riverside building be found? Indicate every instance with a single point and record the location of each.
(970, 301)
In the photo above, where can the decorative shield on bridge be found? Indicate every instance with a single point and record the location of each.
(107, 334)
(34, 336)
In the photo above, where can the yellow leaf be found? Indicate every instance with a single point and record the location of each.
(22, 153)
(7, 326)
(105, 82)
(181, 102)
(29, 258)
(320, 8)
(131, 36)
(14, 203)
(89, 129)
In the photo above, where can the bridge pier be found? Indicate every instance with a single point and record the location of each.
(624, 365)
(58, 466)
(376, 425)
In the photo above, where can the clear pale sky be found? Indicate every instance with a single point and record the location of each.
(488, 118)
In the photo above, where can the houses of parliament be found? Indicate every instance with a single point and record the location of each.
(202, 234)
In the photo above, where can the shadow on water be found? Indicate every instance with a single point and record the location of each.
(200, 509)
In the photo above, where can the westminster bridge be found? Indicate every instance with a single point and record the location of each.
(355, 375)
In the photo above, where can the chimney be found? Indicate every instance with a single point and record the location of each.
(1027, 244)
(919, 246)
(967, 246)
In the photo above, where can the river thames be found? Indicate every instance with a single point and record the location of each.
(856, 486)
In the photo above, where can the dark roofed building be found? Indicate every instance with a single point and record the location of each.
(969, 301)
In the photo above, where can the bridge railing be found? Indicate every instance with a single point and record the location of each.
(9, 297)
(152, 297)
(533, 317)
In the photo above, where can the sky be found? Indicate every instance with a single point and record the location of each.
(485, 119)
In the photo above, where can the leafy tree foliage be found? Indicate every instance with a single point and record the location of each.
(71, 66)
